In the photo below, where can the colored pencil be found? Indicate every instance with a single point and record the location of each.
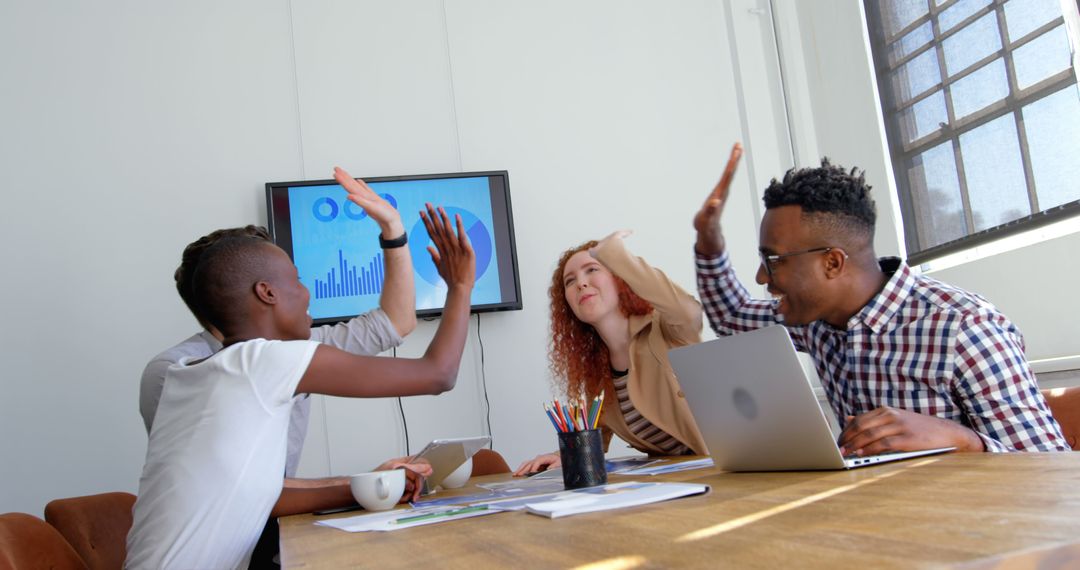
(559, 414)
(551, 418)
(557, 410)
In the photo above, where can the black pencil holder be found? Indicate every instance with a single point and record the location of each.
(582, 454)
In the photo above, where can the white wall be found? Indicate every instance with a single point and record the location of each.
(1036, 287)
(130, 129)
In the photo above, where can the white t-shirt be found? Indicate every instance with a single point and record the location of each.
(215, 462)
(368, 334)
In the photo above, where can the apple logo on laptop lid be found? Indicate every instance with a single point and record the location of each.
(745, 404)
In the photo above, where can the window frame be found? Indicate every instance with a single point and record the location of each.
(901, 153)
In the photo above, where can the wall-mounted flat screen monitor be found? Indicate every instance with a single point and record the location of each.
(335, 245)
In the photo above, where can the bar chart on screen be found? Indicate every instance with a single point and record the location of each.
(347, 280)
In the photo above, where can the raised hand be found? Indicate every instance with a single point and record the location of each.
(710, 240)
(452, 254)
(616, 235)
(380, 210)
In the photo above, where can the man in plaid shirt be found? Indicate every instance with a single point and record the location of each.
(907, 362)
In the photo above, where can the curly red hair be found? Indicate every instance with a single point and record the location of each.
(577, 356)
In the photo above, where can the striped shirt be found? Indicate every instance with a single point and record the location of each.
(639, 425)
(919, 345)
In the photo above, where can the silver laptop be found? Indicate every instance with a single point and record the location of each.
(755, 405)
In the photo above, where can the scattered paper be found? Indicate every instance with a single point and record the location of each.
(620, 465)
(670, 467)
(496, 491)
(614, 496)
(405, 518)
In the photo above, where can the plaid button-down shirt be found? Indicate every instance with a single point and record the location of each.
(919, 345)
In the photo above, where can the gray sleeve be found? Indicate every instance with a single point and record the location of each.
(298, 427)
(367, 334)
(153, 381)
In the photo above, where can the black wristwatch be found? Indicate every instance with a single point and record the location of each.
(392, 243)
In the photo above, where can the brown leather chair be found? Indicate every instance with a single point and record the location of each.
(29, 543)
(488, 462)
(96, 526)
(1065, 406)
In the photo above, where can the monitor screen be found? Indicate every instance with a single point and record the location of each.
(336, 247)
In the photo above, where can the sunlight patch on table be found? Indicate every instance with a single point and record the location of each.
(761, 515)
(617, 563)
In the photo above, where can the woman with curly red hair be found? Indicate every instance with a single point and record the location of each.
(613, 319)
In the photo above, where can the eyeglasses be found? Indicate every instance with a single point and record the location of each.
(770, 261)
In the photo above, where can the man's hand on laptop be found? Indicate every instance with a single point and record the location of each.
(890, 429)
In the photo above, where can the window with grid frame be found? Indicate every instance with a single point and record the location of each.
(982, 115)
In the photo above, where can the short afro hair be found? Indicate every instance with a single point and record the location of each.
(842, 196)
(225, 278)
(189, 260)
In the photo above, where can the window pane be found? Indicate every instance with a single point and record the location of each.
(899, 14)
(996, 187)
(916, 76)
(976, 41)
(923, 118)
(956, 13)
(911, 41)
(1024, 16)
(935, 196)
(1042, 57)
(980, 89)
(1052, 125)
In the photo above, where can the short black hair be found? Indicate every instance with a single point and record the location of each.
(189, 260)
(842, 195)
(225, 277)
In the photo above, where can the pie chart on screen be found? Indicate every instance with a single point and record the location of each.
(479, 237)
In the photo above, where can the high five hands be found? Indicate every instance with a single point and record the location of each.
(710, 240)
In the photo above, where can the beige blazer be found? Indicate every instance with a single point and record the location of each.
(675, 321)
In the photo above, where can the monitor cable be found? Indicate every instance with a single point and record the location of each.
(483, 379)
(401, 408)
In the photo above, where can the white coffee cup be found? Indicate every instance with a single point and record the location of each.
(459, 477)
(378, 490)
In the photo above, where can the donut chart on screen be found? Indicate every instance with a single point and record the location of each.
(479, 237)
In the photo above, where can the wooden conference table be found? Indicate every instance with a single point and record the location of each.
(972, 510)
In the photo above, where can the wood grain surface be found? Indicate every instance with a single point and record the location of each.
(976, 509)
